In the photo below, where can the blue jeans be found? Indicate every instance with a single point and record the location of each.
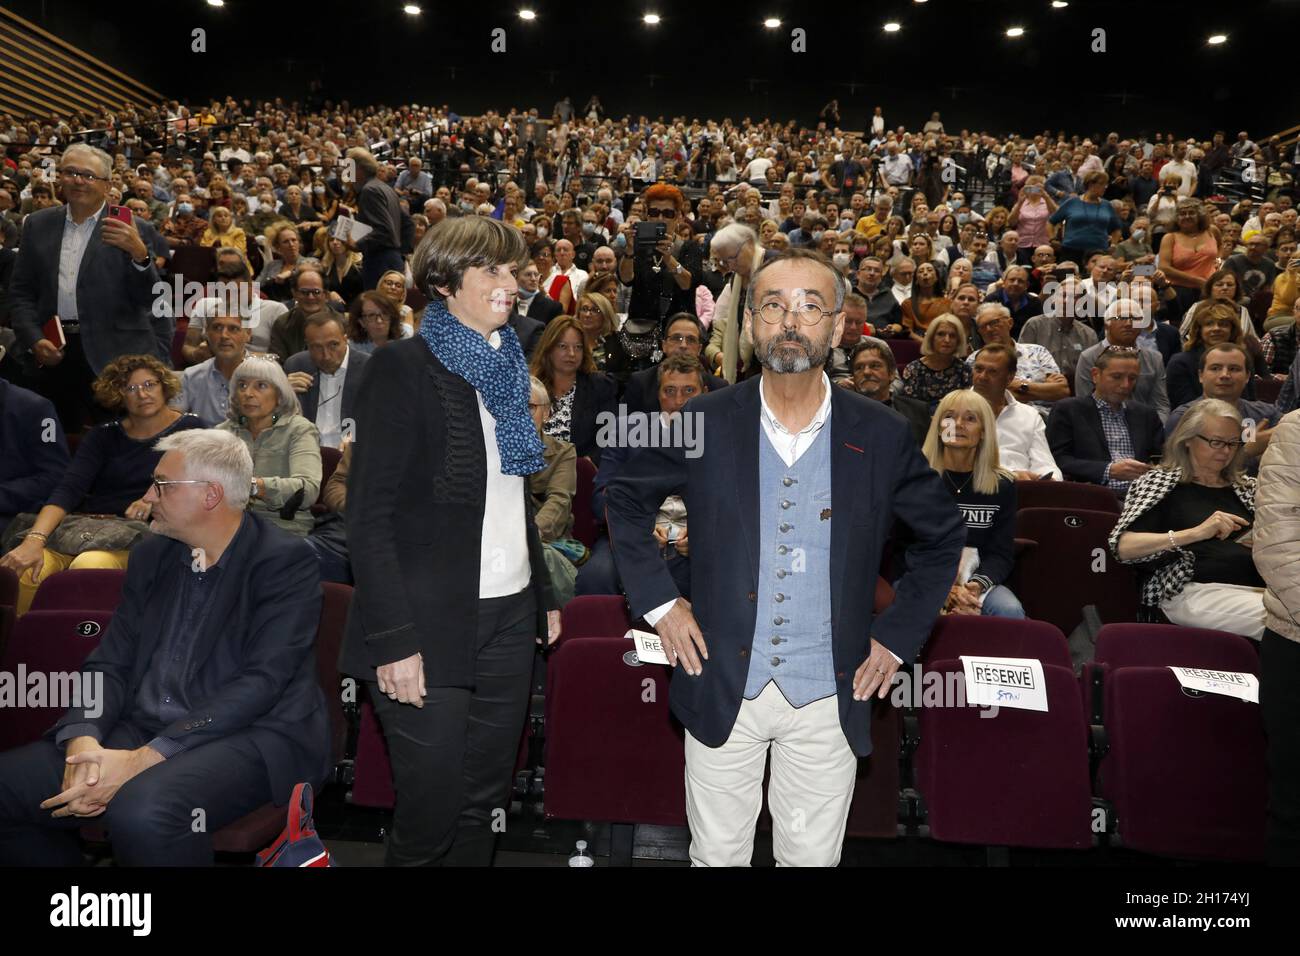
(1001, 602)
(599, 574)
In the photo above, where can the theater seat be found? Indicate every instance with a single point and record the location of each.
(1065, 494)
(905, 350)
(1267, 389)
(584, 522)
(8, 606)
(613, 753)
(1186, 773)
(1072, 567)
(49, 643)
(193, 263)
(1161, 645)
(594, 615)
(1017, 779)
(372, 772)
(329, 461)
(96, 588)
(955, 635)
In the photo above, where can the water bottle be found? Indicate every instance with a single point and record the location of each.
(581, 858)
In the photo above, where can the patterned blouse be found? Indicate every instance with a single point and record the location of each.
(560, 423)
(924, 383)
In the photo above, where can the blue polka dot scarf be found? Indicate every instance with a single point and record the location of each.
(499, 375)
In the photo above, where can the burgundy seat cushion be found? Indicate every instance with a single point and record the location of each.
(1186, 774)
(1019, 778)
(955, 635)
(97, 588)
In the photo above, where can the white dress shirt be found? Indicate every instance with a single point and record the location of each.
(329, 404)
(1022, 440)
(503, 553)
(71, 251)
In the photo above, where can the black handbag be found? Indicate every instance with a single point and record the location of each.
(77, 534)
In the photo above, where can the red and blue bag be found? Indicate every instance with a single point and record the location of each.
(298, 843)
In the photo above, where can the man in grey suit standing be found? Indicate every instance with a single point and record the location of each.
(327, 377)
(96, 274)
(379, 208)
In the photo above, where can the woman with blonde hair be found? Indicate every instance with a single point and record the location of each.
(342, 267)
(1189, 254)
(392, 286)
(222, 230)
(962, 446)
(596, 317)
(285, 248)
(1028, 217)
(941, 368)
(1187, 523)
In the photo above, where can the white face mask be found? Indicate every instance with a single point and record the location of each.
(841, 259)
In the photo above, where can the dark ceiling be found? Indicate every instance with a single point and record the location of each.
(714, 59)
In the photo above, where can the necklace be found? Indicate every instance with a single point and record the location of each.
(657, 265)
(955, 487)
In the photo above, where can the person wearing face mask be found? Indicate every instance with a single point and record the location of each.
(533, 308)
(842, 257)
(1137, 247)
(183, 228)
(452, 588)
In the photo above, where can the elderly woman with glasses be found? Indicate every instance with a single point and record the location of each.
(1188, 523)
(265, 415)
(107, 479)
(452, 587)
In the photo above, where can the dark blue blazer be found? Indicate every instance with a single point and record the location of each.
(877, 475)
(29, 467)
(1078, 441)
(115, 300)
(310, 399)
(254, 664)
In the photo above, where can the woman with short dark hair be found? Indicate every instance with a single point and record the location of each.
(452, 587)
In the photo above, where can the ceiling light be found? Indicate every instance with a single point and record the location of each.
(771, 23)
(651, 19)
(412, 10)
(1217, 39)
(892, 27)
(216, 3)
(1059, 4)
(527, 15)
(1016, 32)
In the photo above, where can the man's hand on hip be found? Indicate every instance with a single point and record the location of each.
(682, 638)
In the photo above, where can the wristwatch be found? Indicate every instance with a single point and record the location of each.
(679, 270)
(1023, 388)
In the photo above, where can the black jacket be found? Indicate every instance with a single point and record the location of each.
(529, 330)
(642, 391)
(254, 667)
(596, 394)
(29, 467)
(301, 362)
(916, 412)
(415, 518)
(543, 308)
(115, 300)
(1078, 444)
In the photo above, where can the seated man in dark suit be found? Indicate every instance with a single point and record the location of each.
(209, 697)
(33, 451)
(97, 275)
(874, 370)
(1105, 437)
(681, 377)
(327, 377)
(683, 335)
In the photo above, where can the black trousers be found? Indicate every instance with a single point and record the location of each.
(453, 758)
(68, 386)
(164, 816)
(1279, 701)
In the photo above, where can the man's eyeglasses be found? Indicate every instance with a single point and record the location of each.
(148, 386)
(310, 293)
(684, 339)
(661, 212)
(80, 175)
(808, 313)
(159, 483)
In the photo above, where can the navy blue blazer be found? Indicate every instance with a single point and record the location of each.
(29, 466)
(115, 300)
(1078, 441)
(254, 665)
(877, 475)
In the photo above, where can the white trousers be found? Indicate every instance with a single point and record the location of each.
(1223, 607)
(813, 772)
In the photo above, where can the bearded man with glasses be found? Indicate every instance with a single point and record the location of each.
(95, 275)
(779, 646)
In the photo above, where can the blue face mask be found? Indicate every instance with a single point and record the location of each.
(962, 218)
(620, 241)
(185, 208)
